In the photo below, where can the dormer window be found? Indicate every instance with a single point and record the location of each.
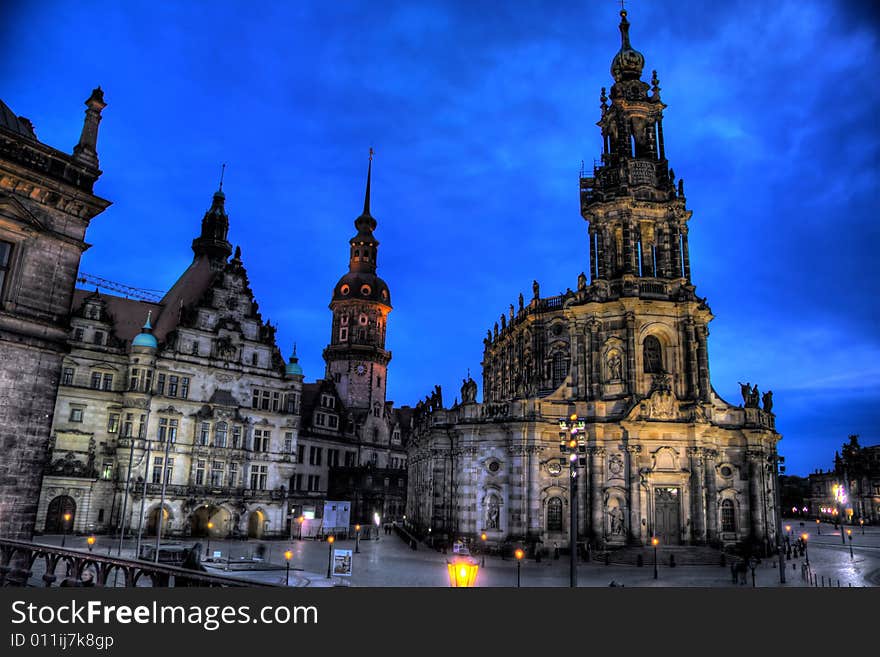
(328, 401)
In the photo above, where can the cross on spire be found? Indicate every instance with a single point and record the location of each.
(222, 173)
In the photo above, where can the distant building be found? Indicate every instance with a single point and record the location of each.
(663, 455)
(851, 490)
(46, 204)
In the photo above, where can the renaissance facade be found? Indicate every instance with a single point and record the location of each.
(627, 352)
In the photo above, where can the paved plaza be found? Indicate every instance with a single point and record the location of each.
(389, 561)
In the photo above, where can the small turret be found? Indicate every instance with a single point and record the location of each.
(86, 151)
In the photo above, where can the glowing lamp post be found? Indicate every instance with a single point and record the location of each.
(862, 523)
(519, 554)
(818, 527)
(483, 550)
(91, 541)
(288, 555)
(299, 522)
(330, 540)
(788, 530)
(573, 444)
(208, 548)
(67, 518)
(655, 542)
(357, 539)
(462, 573)
(805, 536)
(849, 536)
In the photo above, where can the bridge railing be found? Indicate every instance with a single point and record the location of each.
(22, 561)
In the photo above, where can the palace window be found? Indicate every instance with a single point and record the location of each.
(98, 337)
(300, 453)
(233, 475)
(217, 473)
(554, 514)
(315, 454)
(320, 419)
(76, 414)
(298, 482)
(255, 359)
(142, 426)
(653, 355)
(204, 432)
(349, 459)
(333, 458)
(157, 470)
(184, 387)
(259, 474)
(167, 429)
(332, 421)
(262, 438)
(113, 423)
(200, 473)
(220, 433)
(128, 426)
(236, 436)
(288, 442)
(261, 399)
(560, 368)
(173, 382)
(5, 253)
(728, 520)
(160, 384)
(107, 470)
(195, 348)
(314, 482)
(328, 401)
(96, 381)
(107, 382)
(78, 334)
(67, 376)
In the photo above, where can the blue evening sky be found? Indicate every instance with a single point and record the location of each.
(480, 114)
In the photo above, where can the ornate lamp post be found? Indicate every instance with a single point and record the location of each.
(805, 536)
(288, 555)
(862, 523)
(519, 554)
(330, 540)
(778, 469)
(483, 550)
(357, 539)
(299, 522)
(818, 527)
(573, 443)
(849, 536)
(66, 518)
(91, 542)
(208, 548)
(655, 542)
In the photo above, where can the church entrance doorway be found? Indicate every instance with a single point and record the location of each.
(667, 515)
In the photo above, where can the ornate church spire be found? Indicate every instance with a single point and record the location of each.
(364, 245)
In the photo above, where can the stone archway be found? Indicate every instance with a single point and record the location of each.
(153, 521)
(256, 524)
(219, 518)
(55, 521)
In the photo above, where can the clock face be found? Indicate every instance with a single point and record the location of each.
(361, 369)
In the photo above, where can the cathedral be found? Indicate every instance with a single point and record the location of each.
(626, 352)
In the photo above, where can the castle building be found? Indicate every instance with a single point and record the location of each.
(181, 409)
(47, 200)
(851, 491)
(627, 352)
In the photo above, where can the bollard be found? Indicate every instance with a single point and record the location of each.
(823, 581)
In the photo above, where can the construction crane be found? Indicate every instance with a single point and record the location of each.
(129, 292)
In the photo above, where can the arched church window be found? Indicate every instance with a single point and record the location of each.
(728, 520)
(653, 355)
(554, 514)
(560, 368)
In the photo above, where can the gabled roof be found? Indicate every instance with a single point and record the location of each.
(11, 122)
(128, 314)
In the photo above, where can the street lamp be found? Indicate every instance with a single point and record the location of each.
(849, 536)
(818, 527)
(519, 554)
(287, 557)
(655, 542)
(788, 530)
(805, 536)
(208, 549)
(330, 540)
(300, 521)
(573, 443)
(778, 469)
(91, 541)
(462, 573)
(862, 523)
(357, 539)
(66, 517)
(483, 550)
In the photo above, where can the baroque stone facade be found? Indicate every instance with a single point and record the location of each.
(627, 352)
(46, 204)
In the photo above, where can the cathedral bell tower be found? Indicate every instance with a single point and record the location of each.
(637, 216)
(356, 358)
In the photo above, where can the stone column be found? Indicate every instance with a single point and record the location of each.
(593, 328)
(702, 332)
(662, 250)
(631, 353)
(711, 489)
(597, 477)
(594, 273)
(534, 523)
(633, 492)
(690, 343)
(698, 509)
(675, 250)
(756, 494)
(628, 255)
(686, 254)
(601, 248)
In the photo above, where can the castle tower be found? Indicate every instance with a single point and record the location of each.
(212, 242)
(356, 358)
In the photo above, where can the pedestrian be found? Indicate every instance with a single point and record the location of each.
(556, 550)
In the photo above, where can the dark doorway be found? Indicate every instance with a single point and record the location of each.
(55, 522)
(667, 515)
